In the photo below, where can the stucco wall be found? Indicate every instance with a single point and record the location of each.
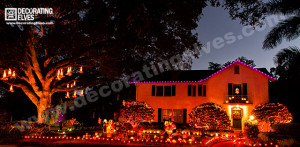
(217, 91)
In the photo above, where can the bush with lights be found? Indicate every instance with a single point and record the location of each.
(273, 113)
(53, 115)
(134, 112)
(209, 116)
(251, 129)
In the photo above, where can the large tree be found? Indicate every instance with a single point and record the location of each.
(108, 38)
(286, 87)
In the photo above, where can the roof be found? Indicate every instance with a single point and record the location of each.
(190, 76)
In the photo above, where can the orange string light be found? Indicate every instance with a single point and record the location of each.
(58, 75)
(74, 95)
(11, 89)
(9, 72)
(81, 94)
(67, 95)
(4, 77)
(61, 73)
(81, 70)
(14, 74)
(69, 71)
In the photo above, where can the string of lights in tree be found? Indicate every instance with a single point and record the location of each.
(60, 75)
(273, 113)
(134, 112)
(9, 75)
(209, 116)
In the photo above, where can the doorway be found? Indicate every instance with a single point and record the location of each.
(237, 119)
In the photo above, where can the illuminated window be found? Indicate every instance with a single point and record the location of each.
(176, 113)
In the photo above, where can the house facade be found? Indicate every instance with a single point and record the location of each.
(237, 87)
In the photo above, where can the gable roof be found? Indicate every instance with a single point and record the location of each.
(194, 76)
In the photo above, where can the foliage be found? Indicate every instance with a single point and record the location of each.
(263, 137)
(288, 28)
(214, 66)
(135, 112)
(251, 130)
(40, 129)
(217, 66)
(287, 129)
(9, 133)
(253, 12)
(287, 63)
(287, 69)
(286, 142)
(53, 115)
(273, 113)
(209, 116)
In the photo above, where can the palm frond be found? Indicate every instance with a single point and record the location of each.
(286, 54)
(285, 7)
(288, 29)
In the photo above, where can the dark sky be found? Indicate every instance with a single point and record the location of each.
(216, 23)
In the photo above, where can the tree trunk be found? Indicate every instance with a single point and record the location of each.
(44, 103)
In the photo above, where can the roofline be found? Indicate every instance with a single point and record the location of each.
(202, 80)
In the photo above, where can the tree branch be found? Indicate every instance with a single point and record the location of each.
(32, 96)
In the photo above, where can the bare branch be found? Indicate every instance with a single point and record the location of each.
(32, 96)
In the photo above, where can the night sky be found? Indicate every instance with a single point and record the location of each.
(216, 23)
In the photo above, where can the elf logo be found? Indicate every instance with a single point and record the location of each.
(11, 14)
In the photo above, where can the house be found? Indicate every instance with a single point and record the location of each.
(238, 88)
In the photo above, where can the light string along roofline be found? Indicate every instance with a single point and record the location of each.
(202, 80)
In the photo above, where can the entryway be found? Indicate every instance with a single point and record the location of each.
(237, 119)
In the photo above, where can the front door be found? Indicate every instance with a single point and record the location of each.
(237, 119)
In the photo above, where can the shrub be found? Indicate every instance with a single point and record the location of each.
(263, 137)
(251, 130)
(290, 128)
(136, 112)
(274, 113)
(209, 116)
(286, 142)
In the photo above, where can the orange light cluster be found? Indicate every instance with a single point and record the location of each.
(60, 72)
(74, 94)
(69, 71)
(9, 74)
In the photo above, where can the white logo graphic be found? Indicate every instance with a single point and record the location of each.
(26, 16)
(11, 14)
